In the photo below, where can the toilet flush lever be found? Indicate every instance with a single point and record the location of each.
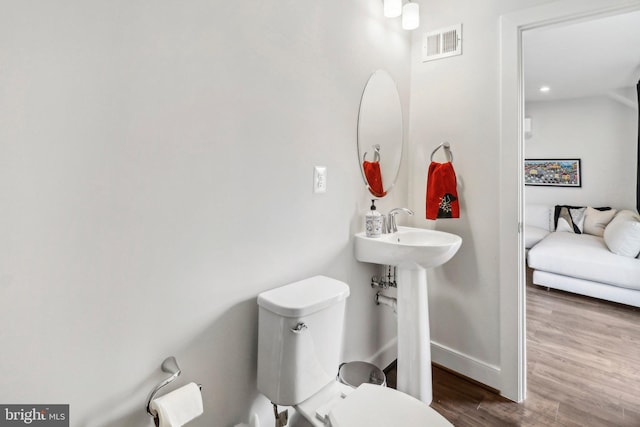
(299, 328)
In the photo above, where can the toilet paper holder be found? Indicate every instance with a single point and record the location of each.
(170, 366)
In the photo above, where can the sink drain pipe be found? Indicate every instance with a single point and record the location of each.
(385, 300)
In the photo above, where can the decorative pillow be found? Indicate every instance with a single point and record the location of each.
(622, 235)
(596, 220)
(570, 219)
(578, 219)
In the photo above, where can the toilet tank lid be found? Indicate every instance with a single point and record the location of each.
(302, 298)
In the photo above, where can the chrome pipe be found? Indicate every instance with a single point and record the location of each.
(385, 300)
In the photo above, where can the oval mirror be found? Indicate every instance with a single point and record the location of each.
(380, 133)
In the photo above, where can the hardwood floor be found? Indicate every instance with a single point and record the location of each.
(583, 369)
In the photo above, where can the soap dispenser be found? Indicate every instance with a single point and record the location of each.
(374, 221)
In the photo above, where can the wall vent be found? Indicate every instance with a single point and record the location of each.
(442, 43)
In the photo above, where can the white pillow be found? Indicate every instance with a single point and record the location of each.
(564, 226)
(577, 215)
(570, 217)
(539, 216)
(533, 234)
(622, 235)
(595, 221)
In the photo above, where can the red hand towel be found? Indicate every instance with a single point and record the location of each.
(374, 178)
(442, 195)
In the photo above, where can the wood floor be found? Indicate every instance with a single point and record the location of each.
(583, 369)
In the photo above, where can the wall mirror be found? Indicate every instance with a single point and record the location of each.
(380, 133)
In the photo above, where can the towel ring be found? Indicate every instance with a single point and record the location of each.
(376, 154)
(447, 151)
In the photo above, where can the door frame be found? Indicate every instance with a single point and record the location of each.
(511, 231)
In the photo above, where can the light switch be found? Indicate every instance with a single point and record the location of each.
(320, 179)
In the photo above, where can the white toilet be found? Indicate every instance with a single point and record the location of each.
(299, 346)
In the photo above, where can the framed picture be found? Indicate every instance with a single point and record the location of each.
(553, 172)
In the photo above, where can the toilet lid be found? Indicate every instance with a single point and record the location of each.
(374, 406)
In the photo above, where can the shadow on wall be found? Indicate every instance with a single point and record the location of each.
(222, 358)
(127, 411)
(134, 419)
(226, 355)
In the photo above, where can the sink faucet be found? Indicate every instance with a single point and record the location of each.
(392, 227)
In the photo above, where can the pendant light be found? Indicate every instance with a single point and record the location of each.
(410, 16)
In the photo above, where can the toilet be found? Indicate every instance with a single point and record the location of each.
(300, 330)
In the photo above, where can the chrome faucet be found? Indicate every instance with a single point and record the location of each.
(392, 227)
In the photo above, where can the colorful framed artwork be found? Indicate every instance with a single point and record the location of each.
(553, 172)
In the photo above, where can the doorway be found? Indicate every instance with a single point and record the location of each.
(512, 260)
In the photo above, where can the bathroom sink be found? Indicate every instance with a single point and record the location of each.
(412, 251)
(407, 247)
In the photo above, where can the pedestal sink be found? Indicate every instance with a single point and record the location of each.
(412, 251)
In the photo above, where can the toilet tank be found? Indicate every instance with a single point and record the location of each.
(300, 330)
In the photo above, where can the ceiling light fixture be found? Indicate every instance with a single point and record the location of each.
(410, 16)
(410, 13)
(544, 89)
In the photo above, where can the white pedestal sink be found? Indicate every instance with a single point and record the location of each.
(412, 251)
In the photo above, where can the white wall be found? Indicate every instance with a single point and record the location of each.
(456, 99)
(475, 303)
(602, 133)
(156, 168)
(156, 174)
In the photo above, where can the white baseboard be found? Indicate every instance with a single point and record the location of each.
(386, 355)
(466, 365)
(447, 357)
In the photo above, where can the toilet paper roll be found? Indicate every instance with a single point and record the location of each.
(178, 407)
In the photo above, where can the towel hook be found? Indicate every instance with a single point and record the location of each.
(376, 154)
(170, 366)
(447, 151)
